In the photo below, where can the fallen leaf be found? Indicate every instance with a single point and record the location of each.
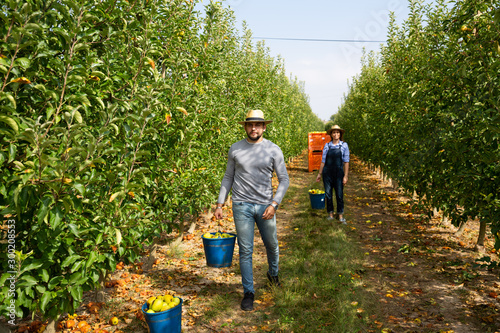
(393, 319)
(181, 109)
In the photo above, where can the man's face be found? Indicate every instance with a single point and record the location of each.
(254, 130)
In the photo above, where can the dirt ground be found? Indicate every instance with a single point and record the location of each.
(421, 273)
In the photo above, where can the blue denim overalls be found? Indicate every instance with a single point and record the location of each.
(333, 175)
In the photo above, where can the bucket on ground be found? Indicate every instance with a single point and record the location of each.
(219, 251)
(165, 321)
(317, 200)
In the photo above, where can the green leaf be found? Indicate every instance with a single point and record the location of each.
(78, 117)
(115, 195)
(4, 278)
(40, 289)
(8, 96)
(91, 259)
(78, 265)
(44, 208)
(76, 292)
(30, 281)
(44, 300)
(101, 103)
(80, 46)
(12, 152)
(70, 260)
(22, 62)
(49, 112)
(32, 26)
(11, 122)
(98, 239)
(55, 281)
(80, 187)
(74, 229)
(61, 32)
(55, 217)
(30, 266)
(117, 130)
(45, 275)
(118, 234)
(77, 278)
(94, 276)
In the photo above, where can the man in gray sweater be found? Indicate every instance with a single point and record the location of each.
(250, 166)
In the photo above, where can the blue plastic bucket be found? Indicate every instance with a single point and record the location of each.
(219, 251)
(165, 321)
(317, 200)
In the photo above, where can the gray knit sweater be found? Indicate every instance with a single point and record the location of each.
(249, 173)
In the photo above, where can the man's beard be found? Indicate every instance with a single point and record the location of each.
(254, 140)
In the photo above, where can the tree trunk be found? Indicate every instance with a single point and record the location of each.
(445, 221)
(461, 228)
(51, 326)
(481, 236)
(99, 294)
(389, 182)
(149, 259)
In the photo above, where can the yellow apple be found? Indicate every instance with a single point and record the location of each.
(157, 305)
(151, 300)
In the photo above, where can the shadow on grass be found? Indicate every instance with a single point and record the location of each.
(322, 291)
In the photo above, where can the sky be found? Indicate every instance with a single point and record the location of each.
(325, 67)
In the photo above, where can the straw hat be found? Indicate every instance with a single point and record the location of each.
(335, 127)
(255, 116)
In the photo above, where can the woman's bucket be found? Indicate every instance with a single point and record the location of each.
(317, 200)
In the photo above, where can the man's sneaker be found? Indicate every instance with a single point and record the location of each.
(247, 302)
(274, 280)
(342, 220)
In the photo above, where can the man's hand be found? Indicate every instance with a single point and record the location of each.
(268, 213)
(218, 213)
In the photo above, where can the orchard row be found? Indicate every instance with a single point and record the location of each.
(115, 120)
(426, 109)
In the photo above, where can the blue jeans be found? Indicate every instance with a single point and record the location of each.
(246, 215)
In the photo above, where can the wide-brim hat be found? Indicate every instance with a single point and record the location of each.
(255, 116)
(335, 127)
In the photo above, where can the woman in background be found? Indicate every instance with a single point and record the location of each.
(334, 168)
